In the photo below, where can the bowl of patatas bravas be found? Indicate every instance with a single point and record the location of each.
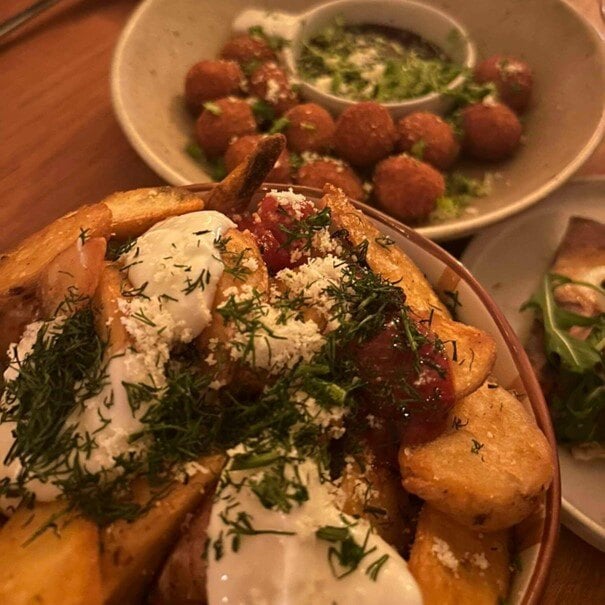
(246, 393)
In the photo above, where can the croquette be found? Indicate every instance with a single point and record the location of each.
(513, 79)
(429, 138)
(407, 188)
(239, 149)
(246, 49)
(310, 128)
(270, 83)
(220, 121)
(318, 172)
(209, 80)
(365, 134)
(491, 131)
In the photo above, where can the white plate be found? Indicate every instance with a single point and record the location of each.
(163, 38)
(509, 260)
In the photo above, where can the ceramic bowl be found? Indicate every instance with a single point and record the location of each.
(536, 536)
(164, 38)
(430, 23)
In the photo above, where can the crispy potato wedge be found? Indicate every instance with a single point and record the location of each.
(375, 493)
(15, 313)
(489, 469)
(471, 351)
(234, 192)
(131, 553)
(133, 212)
(106, 310)
(240, 250)
(386, 259)
(58, 567)
(73, 273)
(455, 565)
(21, 267)
(182, 580)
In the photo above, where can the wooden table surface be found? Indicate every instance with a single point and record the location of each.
(60, 146)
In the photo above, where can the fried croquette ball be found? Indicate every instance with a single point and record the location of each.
(270, 83)
(245, 49)
(513, 79)
(310, 128)
(239, 149)
(220, 122)
(209, 80)
(491, 131)
(365, 134)
(406, 187)
(318, 173)
(431, 138)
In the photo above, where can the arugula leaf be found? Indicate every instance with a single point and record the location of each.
(576, 355)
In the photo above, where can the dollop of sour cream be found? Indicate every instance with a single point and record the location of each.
(291, 566)
(177, 261)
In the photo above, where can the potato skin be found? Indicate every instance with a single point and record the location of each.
(407, 188)
(270, 83)
(209, 80)
(490, 469)
(214, 131)
(239, 149)
(365, 134)
(319, 172)
(481, 561)
(310, 128)
(439, 145)
(513, 79)
(244, 48)
(492, 131)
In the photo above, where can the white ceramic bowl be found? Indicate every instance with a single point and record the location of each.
(535, 538)
(165, 37)
(430, 23)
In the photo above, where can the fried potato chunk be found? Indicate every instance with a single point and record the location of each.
(234, 192)
(107, 312)
(472, 353)
(383, 257)
(133, 212)
(244, 268)
(58, 567)
(21, 267)
(131, 553)
(457, 566)
(71, 278)
(375, 493)
(489, 469)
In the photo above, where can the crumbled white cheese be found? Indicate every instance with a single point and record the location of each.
(479, 560)
(441, 549)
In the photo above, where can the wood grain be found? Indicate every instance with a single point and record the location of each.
(60, 147)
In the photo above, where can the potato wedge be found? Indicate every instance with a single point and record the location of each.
(58, 567)
(471, 351)
(71, 278)
(489, 469)
(244, 267)
(233, 193)
(457, 566)
(21, 267)
(384, 258)
(15, 313)
(133, 212)
(131, 553)
(375, 493)
(182, 580)
(107, 312)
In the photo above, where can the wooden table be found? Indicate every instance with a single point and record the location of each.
(60, 146)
